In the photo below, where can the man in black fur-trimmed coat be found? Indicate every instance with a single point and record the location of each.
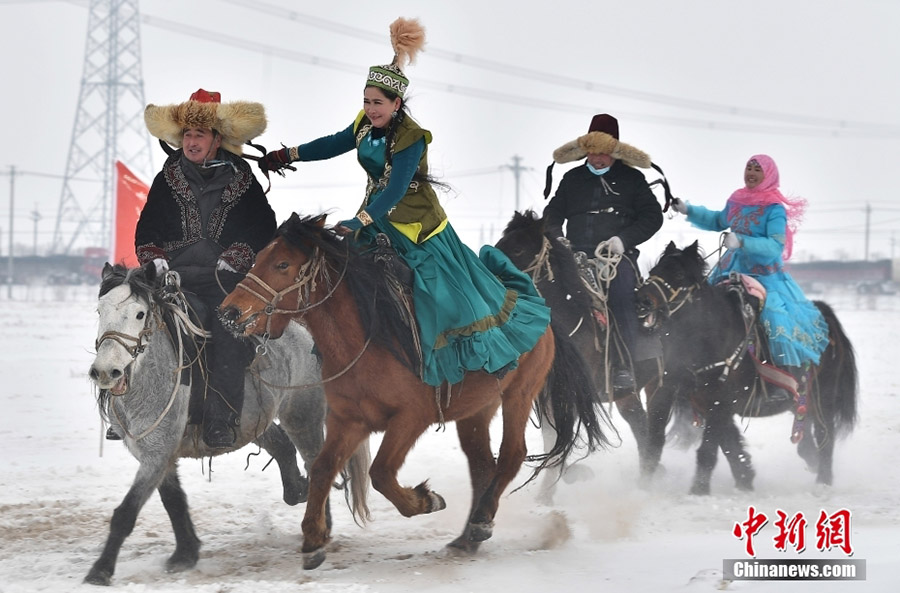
(206, 217)
(607, 200)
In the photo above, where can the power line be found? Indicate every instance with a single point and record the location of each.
(838, 129)
(531, 75)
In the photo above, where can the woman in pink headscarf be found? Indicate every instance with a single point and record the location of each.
(762, 222)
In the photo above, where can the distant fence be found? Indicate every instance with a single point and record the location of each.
(44, 293)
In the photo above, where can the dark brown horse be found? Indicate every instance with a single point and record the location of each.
(369, 362)
(553, 269)
(705, 343)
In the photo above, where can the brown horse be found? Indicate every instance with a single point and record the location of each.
(370, 363)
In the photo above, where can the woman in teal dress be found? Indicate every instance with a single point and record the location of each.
(474, 312)
(762, 223)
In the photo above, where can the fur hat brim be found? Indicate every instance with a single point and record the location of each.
(237, 121)
(601, 143)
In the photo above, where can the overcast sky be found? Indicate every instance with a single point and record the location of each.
(699, 85)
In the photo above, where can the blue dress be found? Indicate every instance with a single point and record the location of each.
(796, 329)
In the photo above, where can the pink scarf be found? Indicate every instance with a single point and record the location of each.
(767, 193)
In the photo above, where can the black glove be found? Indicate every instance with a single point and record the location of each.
(276, 161)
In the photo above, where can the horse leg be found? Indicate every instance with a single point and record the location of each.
(707, 454)
(148, 478)
(475, 441)
(302, 416)
(659, 406)
(277, 444)
(824, 432)
(402, 432)
(732, 446)
(341, 440)
(548, 482)
(633, 412)
(516, 410)
(187, 545)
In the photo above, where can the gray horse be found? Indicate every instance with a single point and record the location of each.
(142, 369)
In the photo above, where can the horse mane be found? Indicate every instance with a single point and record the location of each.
(562, 260)
(136, 278)
(692, 260)
(372, 284)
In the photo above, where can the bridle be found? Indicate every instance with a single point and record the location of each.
(134, 345)
(304, 283)
(674, 298)
(139, 345)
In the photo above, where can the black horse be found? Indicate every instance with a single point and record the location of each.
(554, 270)
(704, 338)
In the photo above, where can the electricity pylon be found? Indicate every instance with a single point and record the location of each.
(109, 126)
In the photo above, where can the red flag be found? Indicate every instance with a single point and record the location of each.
(131, 195)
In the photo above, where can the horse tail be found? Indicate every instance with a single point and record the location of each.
(570, 402)
(840, 372)
(356, 490)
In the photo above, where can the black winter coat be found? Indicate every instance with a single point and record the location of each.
(171, 225)
(623, 207)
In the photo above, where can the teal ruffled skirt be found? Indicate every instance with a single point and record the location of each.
(474, 312)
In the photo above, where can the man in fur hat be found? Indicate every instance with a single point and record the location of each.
(606, 200)
(206, 217)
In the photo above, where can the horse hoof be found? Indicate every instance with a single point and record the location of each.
(577, 473)
(98, 577)
(461, 546)
(436, 502)
(313, 559)
(174, 564)
(479, 532)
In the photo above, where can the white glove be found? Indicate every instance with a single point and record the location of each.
(679, 206)
(615, 245)
(224, 265)
(732, 240)
(162, 266)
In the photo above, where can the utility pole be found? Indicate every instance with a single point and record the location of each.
(12, 209)
(517, 169)
(868, 219)
(35, 216)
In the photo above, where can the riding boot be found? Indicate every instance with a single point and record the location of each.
(227, 360)
(779, 395)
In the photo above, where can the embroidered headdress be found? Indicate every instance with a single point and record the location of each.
(407, 39)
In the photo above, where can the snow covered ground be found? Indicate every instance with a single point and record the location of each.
(57, 494)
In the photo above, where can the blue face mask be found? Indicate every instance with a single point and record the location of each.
(596, 171)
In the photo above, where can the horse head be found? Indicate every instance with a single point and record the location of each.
(281, 282)
(125, 309)
(670, 283)
(522, 238)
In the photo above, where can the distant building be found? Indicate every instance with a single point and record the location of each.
(866, 276)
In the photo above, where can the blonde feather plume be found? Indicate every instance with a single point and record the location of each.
(407, 39)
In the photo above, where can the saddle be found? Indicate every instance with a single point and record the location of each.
(751, 295)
